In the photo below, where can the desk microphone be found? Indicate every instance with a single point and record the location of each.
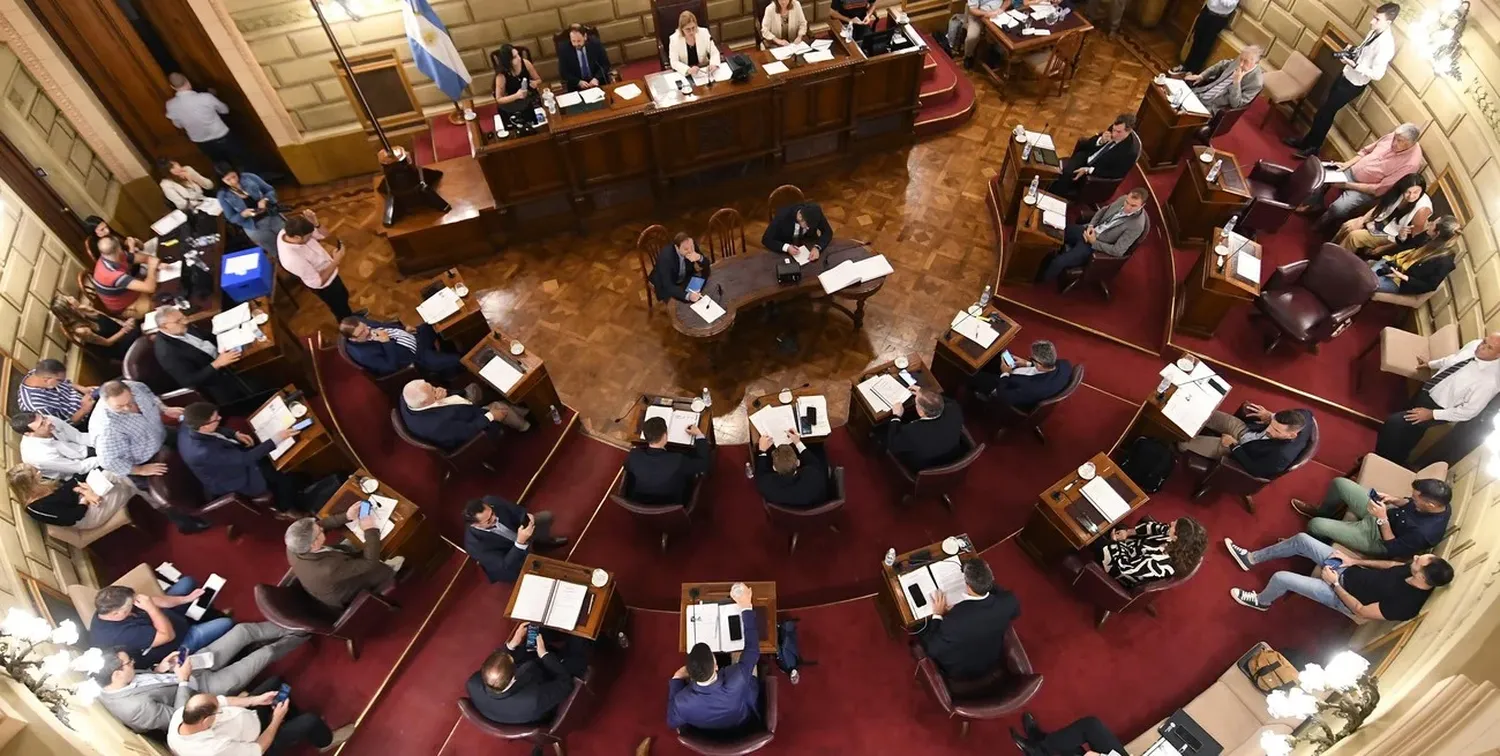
(720, 290)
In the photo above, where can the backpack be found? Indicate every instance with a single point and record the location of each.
(1148, 462)
(788, 653)
(1267, 669)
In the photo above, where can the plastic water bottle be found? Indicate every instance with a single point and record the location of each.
(1036, 186)
(890, 556)
(556, 416)
(708, 400)
(549, 101)
(1161, 388)
(1213, 173)
(749, 470)
(1026, 151)
(1229, 227)
(848, 32)
(984, 296)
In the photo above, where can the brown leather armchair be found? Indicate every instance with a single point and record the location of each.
(798, 519)
(561, 42)
(390, 385)
(1108, 596)
(941, 481)
(178, 489)
(1219, 124)
(1277, 191)
(1009, 689)
(1007, 417)
(1311, 301)
(1101, 269)
(1091, 195)
(748, 738)
(288, 606)
(668, 519)
(140, 365)
(1227, 475)
(552, 732)
(476, 451)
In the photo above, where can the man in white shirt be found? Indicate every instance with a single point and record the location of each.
(56, 448)
(212, 725)
(200, 116)
(299, 252)
(975, 13)
(1461, 385)
(1363, 63)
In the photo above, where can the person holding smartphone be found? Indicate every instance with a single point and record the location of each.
(676, 265)
(227, 461)
(1023, 383)
(527, 679)
(703, 695)
(1384, 525)
(299, 250)
(210, 725)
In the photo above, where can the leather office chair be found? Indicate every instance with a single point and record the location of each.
(1060, 63)
(1091, 582)
(390, 385)
(758, 12)
(941, 481)
(1311, 301)
(668, 519)
(647, 245)
(477, 451)
(1101, 269)
(1092, 194)
(1291, 83)
(1227, 475)
(665, 13)
(781, 196)
(288, 606)
(1005, 692)
(1008, 417)
(140, 365)
(798, 519)
(552, 732)
(1219, 124)
(178, 489)
(726, 234)
(748, 738)
(1277, 191)
(561, 43)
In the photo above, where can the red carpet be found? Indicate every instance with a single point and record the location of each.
(955, 104)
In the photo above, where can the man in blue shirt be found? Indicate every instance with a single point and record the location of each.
(702, 695)
(1386, 526)
(150, 627)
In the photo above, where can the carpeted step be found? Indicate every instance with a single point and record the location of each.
(939, 84)
(944, 108)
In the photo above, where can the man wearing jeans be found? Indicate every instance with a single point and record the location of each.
(1363, 588)
(150, 627)
(975, 14)
(210, 725)
(1373, 170)
(1387, 526)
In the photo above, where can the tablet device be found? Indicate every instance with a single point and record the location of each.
(695, 284)
(364, 508)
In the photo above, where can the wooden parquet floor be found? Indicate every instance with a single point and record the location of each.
(578, 300)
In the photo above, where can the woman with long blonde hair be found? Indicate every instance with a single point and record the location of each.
(104, 335)
(70, 502)
(691, 49)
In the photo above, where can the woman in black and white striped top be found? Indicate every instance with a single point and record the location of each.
(1153, 551)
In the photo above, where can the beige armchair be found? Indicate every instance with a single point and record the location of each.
(142, 578)
(1386, 476)
(1290, 84)
(81, 539)
(1232, 711)
(1400, 350)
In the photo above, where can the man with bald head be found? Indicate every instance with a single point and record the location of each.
(209, 725)
(433, 416)
(1460, 386)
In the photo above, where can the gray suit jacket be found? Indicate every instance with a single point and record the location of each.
(1236, 95)
(1116, 239)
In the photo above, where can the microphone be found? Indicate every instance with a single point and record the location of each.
(720, 291)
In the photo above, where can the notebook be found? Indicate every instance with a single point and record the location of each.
(554, 603)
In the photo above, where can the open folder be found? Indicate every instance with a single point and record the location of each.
(922, 583)
(554, 603)
(721, 626)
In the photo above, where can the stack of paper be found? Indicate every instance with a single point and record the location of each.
(231, 318)
(592, 95)
(1183, 94)
(1036, 31)
(99, 482)
(974, 329)
(168, 272)
(1105, 499)
(1054, 220)
(722, 73)
(169, 222)
(272, 419)
(440, 305)
(802, 255)
(946, 576)
(822, 44)
(883, 392)
(1247, 266)
(1006, 21)
(240, 336)
(241, 265)
(776, 421)
(707, 309)
(1190, 405)
(716, 625)
(628, 92)
(849, 273)
(1051, 204)
(501, 374)
(569, 100)
(678, 421)
(1017, 15)
(555, 603)
(1041, 141)
(774, 67)
(818, 56)
(787, 51)
(819, 403)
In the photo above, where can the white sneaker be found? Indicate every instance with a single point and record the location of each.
(1247, 598)
(395, 563)
(1241, 556)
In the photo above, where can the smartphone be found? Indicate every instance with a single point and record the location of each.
(1008, 358)
(917, 599)
(365, 508)
(182, 655)
(303, 424)
(906, 377)
(283, 694)
(810, 420)
(1374, 496)
(1335, 563)
(736, 631)
(532, 631)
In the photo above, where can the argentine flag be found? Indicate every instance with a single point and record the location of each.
(433, 50)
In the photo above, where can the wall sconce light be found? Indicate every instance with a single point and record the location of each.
(1438, 35)
(1352, 696)
(21, 634)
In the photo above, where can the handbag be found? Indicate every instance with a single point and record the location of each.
(1267, 669)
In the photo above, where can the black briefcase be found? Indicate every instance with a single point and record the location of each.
(788, 271)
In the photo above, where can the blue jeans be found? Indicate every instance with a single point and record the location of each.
(1283, 582)
(1385, 284)
(202, 633)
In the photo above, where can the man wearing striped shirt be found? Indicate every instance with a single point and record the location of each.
(131, 430)
(47, 391)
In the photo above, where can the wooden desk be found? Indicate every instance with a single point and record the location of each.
(746, 281)
(426, 239)
(1150, 421)
(1197, 206)
(204, 302)
(1031, 242)
(534, 391)
(1015, 177)
(955, 359)
(1213, 287)
(276, 360)
(315, 452)
(637, 416)
(412, 537)
(1164, 130)
(466, 327)
(862, 417)
(762, 599)
(889, 601)
(1064, 521)
(774, 398)
(1012, 44)
(607, 613)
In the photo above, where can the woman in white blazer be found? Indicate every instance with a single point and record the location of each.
(181, 185)
(701, 54)
(783, 24)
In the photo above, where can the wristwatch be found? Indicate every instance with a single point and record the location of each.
(1380, 521)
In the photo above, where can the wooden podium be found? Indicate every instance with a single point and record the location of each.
(1064, 521)
(955, 359)
(1197, 206)
(1213, 288)
(1030, 244)
(1164, 130)
(1015, 177)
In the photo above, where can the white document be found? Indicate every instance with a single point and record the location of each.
(501, 374)
(783, 52)
(628, 91)
(1190, 405)
(569, 100)
(231, 318)
(239, 337)
(1105, 499)
(730, 613)
(702, 625)
(592, 95)
(567, 603)
(822, 44)
(1160, 748)
(838, 277)
(168, 272)
(776, 421)
(1006, 21)
(802, 255)
(1183, 94)
(1247, 266)
(1051, 204)
(99, 482)
(722, 73)
(883, 392)
(532, 597)
(818, 56)
(1016, 15)
(1334, 175)
(921, 579)
(169, 571)
(974, 329)
(820, 403)
(707, 309)
(272, 419)
(1054, 220)
(678, 421)
(169, 222)
(949, 574)
(440, 305)
(1036, 31)
(241, 265)
(946, 577)
(872, 268)
(774, 68)
(1201, 371)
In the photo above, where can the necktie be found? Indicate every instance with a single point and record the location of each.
(1217, 88)
(1095, 155)
(1436, 379)
(402, 337)
(796, 232)
(499, 528)
(583, 64)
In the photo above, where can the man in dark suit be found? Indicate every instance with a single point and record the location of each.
(655, 474)
(702, 695)
(1106, 157)
(792, 474)
(967, 639)
(518, 685)
(230, 462)
(1263, 443)
(676, 265)
(382, 348)
(799, 225)
(1083, 736)
(332, 575)
(1029, 382)
(932, 439)
(500, 534)
(583, 64)
(197, 363)
(431, 415)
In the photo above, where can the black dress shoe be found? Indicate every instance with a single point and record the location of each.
(189, 525)
(555, 542)
(1023, 745)
(1033, 730)
(1293, 142)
